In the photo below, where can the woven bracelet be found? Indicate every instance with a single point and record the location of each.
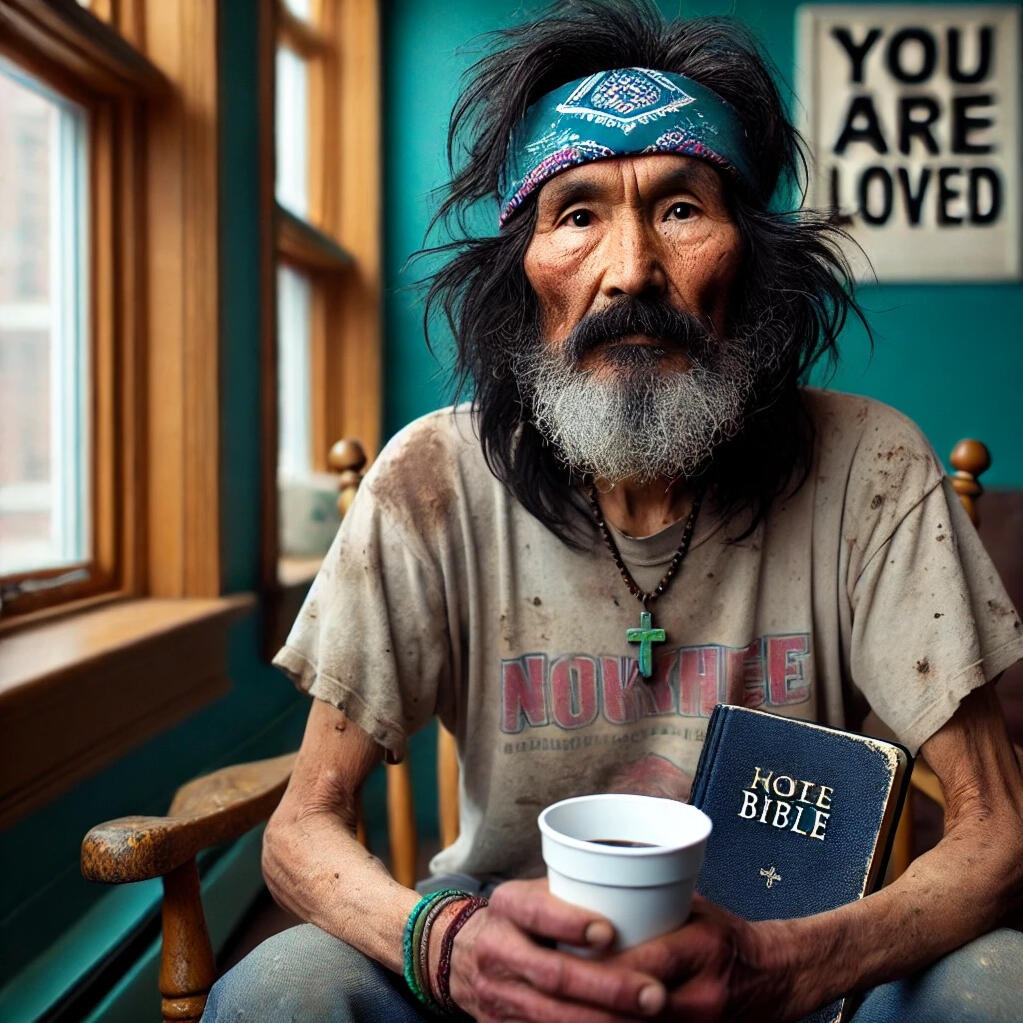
(409, 949)
(444, 968)
(421, 939)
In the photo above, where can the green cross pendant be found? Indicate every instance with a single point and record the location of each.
(645, 636)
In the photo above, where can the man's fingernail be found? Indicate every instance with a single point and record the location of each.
(651, 998)
(599, 933)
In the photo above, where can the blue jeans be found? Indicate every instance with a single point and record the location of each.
(305, 975)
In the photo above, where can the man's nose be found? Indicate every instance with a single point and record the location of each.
(633, 260)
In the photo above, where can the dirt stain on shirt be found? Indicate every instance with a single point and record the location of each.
(997, 608)
(416, 488)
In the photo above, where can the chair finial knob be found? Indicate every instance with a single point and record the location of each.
(347, 457)
(969, 458)
(345, 454)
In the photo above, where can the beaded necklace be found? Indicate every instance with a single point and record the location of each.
(646, 635)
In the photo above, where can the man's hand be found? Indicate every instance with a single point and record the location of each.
(500, 971)
(715, 967)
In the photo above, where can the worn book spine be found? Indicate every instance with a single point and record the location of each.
(804, 816)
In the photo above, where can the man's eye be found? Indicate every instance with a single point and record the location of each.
(579, 218)
(682, 211)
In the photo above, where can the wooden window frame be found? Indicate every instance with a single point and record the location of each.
(110, 92)
(337, 247)
(153, 219)
(84, 681)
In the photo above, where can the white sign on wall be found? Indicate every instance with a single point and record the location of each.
(912, 116)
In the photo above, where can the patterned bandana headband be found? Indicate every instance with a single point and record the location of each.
(624, 112)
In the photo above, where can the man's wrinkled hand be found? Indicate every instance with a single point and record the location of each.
(714, 968)
(501, 968)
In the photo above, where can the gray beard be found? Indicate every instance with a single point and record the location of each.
(639, 420)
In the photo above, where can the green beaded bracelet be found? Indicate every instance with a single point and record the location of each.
(409, 948)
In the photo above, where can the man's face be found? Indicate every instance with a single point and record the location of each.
(649, 227)
(636, 372)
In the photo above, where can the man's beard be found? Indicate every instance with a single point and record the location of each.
(632, 417)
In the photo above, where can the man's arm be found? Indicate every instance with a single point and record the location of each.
(312, 861)
(955, 892)
(314, 866)
(962, 887)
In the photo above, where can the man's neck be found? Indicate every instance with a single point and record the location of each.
(642, 509)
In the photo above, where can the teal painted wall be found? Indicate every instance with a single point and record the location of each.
(947, 355)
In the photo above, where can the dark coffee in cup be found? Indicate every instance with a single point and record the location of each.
(624, 843)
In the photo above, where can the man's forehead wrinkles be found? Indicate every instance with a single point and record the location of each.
(562, 191)
(593, 181)
(686, 175)
(609, 178)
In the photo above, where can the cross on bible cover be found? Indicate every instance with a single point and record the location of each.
(804, 816)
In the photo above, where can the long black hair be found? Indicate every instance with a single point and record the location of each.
(795, 285)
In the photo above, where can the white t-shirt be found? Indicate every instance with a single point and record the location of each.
(442, 595)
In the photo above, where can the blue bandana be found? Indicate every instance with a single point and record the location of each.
(625, 112)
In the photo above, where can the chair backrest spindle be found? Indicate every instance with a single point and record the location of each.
(447, 786)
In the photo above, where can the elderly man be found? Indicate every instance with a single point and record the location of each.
(638, 441)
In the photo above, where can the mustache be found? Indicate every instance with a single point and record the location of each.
(652, 318)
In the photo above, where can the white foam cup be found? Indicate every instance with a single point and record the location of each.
(645, 891)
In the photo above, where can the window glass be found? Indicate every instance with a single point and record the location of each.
(294, 301)
(44, 425)
(292, 130)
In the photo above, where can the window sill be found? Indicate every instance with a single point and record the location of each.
(78, 692)
(297, 572)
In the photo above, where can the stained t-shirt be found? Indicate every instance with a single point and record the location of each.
(442, 596)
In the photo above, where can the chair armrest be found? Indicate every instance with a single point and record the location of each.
(215, 808)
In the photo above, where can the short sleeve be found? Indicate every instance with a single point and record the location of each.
(931, 618)
(371, 638)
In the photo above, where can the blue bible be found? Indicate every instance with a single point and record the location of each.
(804, 816)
